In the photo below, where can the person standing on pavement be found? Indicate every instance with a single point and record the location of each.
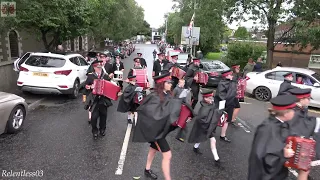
(191, 81)
(226, 91)
(269, 150)
(258, 66)
(236, 76)
(142, 60)
(100, 104)
(159, 64)
(118, 66)
(154, 124)
(286, 85)
(249, 67)
(205, 125)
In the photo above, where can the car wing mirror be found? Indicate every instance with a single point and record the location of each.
(316, 85)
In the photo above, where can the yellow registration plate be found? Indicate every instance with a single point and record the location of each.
(40, 74)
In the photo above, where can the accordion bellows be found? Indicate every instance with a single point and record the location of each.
(105, 88)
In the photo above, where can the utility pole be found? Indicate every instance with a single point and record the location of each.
(165, 39)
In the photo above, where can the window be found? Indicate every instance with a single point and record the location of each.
(316, 76)
(24, 58)
(304, 79)
(44, 61)
(82, 61)
(75, 61)
(271, 75)
(279, 75)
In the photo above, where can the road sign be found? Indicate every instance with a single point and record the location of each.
(187, 38)
(8, 9)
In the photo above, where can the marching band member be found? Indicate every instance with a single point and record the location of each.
(191, 79)
(269, 151)
(99, 104)
(142, 60)
(205, 125)
(154, 123)
(236, 76)
(126, 102)
(286, 85)
(172, 64)
(118, 66)
(159, 64)
(136, 65)
(226, 91)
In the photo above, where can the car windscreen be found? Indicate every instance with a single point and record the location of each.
(45, 61)
(316, 76)
(215, 66)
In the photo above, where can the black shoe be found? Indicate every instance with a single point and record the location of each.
(197, 151)
(102, 132)
(233, 123)
(225, 139)
(95, 136)
(150, 174)
(130, 121)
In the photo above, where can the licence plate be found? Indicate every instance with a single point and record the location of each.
(40, 74)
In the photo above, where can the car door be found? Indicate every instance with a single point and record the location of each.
(83, 68)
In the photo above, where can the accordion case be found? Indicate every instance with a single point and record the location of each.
(178, 73)
(141, 77)
(105, 88)
(185, 113)
(202, 78)
(304, 152)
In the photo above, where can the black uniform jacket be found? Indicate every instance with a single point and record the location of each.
(94, 98)
(205, 123)
(226, 90)
(115, 68)
(266, 160)
(155, 117)
(190, 74)
(126, 102)
(157, 66)
(285, 87)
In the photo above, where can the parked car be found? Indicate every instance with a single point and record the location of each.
(213, 69)
(13, 112)
(17, 63)
(265, 85)
(49, 73)
(182, 59)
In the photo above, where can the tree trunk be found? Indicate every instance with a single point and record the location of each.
(44, 39)
(270, 42)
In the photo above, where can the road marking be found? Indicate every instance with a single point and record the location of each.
(124, 150)
(243, 125)
(244, 103)
(35, 104)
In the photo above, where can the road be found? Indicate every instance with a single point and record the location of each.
(57, 141)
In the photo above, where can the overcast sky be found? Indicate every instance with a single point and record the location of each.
(154, 11)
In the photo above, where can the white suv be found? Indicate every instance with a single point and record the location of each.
(49, 73)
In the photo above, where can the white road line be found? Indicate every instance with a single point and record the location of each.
(35, 104)
(245, 103)
(124, 150)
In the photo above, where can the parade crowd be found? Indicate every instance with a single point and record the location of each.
(168, 107)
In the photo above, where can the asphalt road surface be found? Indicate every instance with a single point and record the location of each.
(56, 143)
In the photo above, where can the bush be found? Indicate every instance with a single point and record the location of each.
(240, 52)
(214, 55)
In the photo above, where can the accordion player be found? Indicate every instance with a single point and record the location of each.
(304, 152)
(178, 72)
(141, 77)
(106, 88)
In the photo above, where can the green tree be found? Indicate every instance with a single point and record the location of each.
(301, 14)
(241, 33)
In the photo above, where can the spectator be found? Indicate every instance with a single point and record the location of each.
(279, 64)
(249, 67)
(258, 66)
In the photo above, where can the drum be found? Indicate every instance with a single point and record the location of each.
(118, 76)
(223, 118)
(185, 113)
(178, 73)
(304, 152)
(106, 88)
(141, 77)
(202, 77)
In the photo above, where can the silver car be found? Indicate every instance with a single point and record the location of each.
(13, 111)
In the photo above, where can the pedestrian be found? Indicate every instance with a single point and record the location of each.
(205, 124)
(237, 77)
(100, 104)
(226, 92)
(127, 102)
(249, 67)
(279, 64)
(118, 66)
(159, 64)
(269, 150)
(142, 60)
(286, 84)
(191, 80)
(154, 124)
(60, 50)
(258, 66)
(154, 54)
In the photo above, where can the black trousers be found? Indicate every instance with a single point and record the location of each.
(121, 84)
(99, 112)
(195, 94)
(175, 82)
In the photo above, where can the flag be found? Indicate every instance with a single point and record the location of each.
(8, 9)
(191, 22)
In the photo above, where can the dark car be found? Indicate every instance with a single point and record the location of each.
(214, 69)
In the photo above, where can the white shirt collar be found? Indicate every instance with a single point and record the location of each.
(279, 119)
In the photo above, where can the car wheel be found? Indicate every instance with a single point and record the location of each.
(75, 90)
(16, 119)
(262, 93)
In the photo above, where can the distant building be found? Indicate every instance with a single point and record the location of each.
(155, 36)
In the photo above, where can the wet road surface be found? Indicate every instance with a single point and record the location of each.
(57, 141)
